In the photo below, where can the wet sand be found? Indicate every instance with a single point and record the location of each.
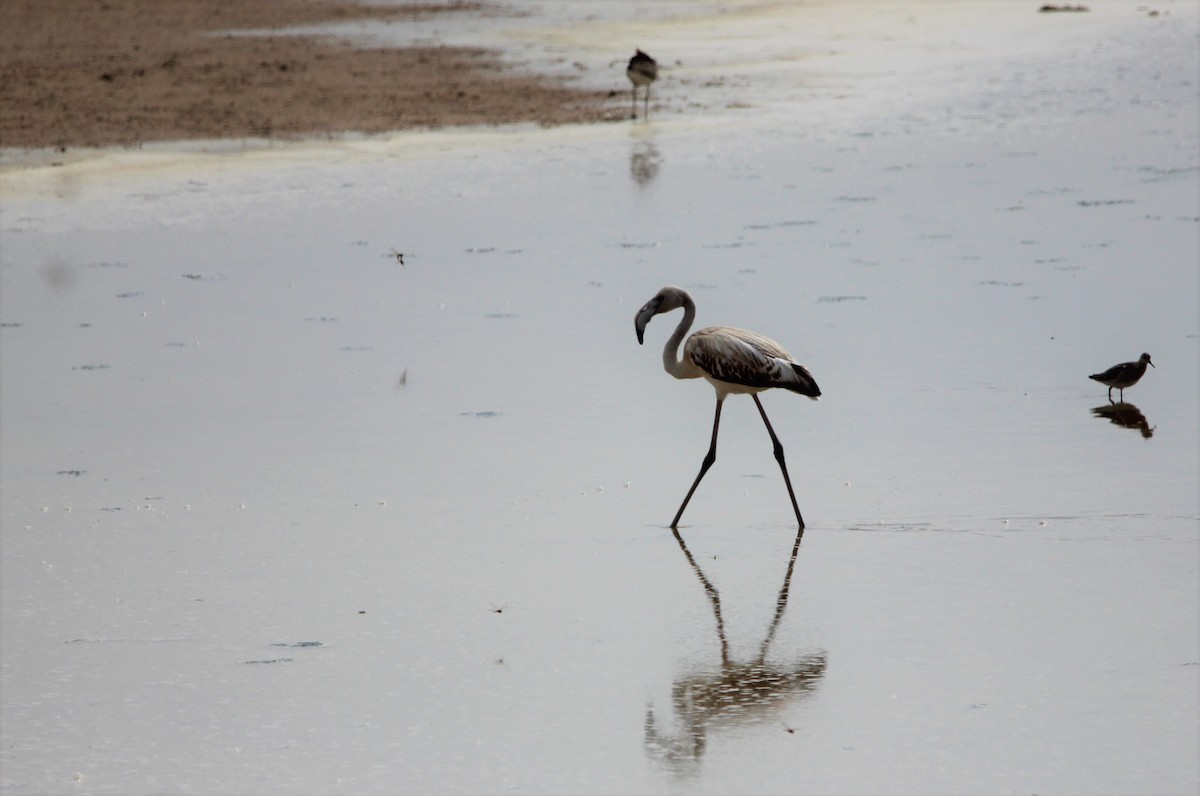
(124, 72)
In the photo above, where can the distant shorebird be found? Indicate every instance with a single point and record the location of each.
(734, 362)
(1124, 375)
(642, 71)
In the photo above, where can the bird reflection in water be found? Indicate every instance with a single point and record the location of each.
(644, 161)
(755, 692)
(1126, 415)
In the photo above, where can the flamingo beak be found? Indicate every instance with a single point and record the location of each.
(648, 311)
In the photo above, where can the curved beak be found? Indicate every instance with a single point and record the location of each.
(648, 311)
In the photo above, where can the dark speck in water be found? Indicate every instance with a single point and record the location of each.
(479, 414)
(271, 660)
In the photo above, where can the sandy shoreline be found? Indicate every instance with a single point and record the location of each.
(126, 72)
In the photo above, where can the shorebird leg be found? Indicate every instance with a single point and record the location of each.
(778, 458)
(709, 458)
(635, 100)
(646, 103)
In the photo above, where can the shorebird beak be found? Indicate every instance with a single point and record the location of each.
(1151, 364)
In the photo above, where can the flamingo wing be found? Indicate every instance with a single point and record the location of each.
(738, 356)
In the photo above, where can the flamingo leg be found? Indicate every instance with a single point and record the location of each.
(778, 458)
(709, 458)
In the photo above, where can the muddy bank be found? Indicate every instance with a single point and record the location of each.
(122, 72)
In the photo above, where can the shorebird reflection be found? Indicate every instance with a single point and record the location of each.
(644, 161)
(753, 692)
(1126, 415)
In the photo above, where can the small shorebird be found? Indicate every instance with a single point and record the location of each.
(734, 362)
(1124, 375)
(642, 71)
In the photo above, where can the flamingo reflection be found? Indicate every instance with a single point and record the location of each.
(1126, 415)
(753, 692)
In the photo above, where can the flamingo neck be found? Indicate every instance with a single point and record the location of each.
(671, 361)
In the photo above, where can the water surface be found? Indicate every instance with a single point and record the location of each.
(281, 514)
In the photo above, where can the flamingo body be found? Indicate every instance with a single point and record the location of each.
(736, 361)
(733, 361)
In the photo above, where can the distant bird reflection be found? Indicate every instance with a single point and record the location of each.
(644, 161)
(755, 692)
(1126, 415)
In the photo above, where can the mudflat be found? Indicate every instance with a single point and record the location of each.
(87, 73)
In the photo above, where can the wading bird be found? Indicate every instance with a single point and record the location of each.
(733, 361)
(642, 71)
(1124, 375)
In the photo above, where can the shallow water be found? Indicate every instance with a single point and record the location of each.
(281, 514)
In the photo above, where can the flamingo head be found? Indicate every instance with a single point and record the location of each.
(667, 299)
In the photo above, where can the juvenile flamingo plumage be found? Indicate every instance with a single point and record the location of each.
(734, 362)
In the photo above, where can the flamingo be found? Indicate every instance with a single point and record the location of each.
(642, 71)
(734, 362)
(1124, 375)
